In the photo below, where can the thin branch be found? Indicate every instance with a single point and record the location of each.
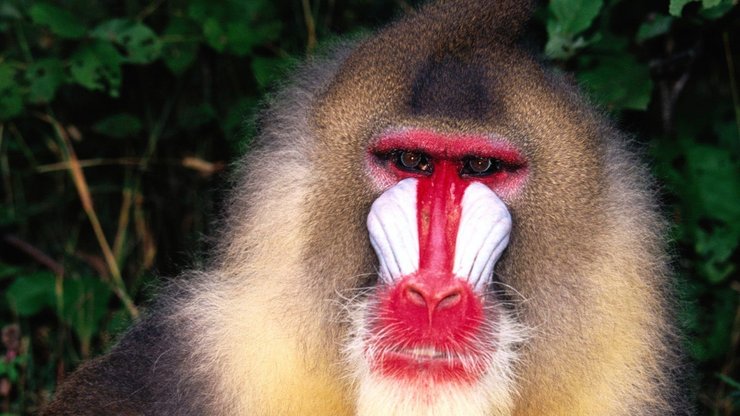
(204, 167)
(35, 253)
(123, 221)
(83, 191)
(148, 10)
(310, 26)
(95, 262)
(123, 161)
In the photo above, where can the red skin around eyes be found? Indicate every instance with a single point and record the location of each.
(453, 149)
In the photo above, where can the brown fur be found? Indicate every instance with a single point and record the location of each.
(260, 331)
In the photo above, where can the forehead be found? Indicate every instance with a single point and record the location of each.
(450, 86)
(491, 90)
(439, 90)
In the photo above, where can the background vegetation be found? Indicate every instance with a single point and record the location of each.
(117, 120)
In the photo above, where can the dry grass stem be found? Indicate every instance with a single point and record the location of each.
(78, 177)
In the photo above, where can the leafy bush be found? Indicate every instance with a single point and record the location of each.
(117, 119)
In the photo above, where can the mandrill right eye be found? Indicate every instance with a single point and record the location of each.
(410, 161)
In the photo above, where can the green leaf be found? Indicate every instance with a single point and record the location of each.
(60, 21)
(619, 82)
(720, 243)
(11, 96)
(202, 10)
(6, 271)
(574, 16)
(215, 34)
(45, 76)
(9, 11)
(119, 126)
(236, 26)
(193, 117)
(560, 46)
(85, 304)
(29, 294)
(12, 368)
(728, 134)
(119, 321)
(7, 76)
(715, 177)
(239, 123)
(731, 382)
(243, 38)
(656, 26)
(608, 44)
(715, 328)
(708, 4)
(267, 70)
(97, 66)
(676, 6)
(181, 49)
(139, 41)
(719, 9)
(567, 19)
(715, 248)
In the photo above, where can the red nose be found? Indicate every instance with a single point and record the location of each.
(433, 299)
(439, 301)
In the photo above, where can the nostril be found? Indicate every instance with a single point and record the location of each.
(415, 296)
(449, 300)
(436, 299)
(430, 309)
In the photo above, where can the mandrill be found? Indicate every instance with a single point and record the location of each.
(433, 223)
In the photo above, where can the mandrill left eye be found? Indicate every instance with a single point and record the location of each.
(411, 161)
(481, 166)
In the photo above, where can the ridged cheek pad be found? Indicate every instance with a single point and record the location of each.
(472, 231)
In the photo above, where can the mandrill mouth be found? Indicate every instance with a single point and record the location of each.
(429, 363)
(424, 353)
(415, 339)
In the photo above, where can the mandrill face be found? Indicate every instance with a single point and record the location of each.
(432, 332)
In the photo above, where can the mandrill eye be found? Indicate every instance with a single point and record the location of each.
(481, 166)
(409, 161)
